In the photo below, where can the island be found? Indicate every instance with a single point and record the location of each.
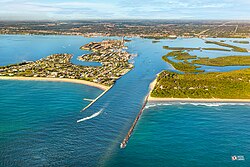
(58, 67)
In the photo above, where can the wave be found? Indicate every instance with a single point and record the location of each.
(92, 116)
(157, 104)
(208, 104)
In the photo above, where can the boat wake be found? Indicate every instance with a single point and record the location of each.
(92, 116)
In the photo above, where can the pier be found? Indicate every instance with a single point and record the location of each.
(93, 101)
(126, 139)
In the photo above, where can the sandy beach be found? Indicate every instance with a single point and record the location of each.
(77, 81)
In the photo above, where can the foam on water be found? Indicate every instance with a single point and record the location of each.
(216, 104)
(150, 105)
(208, 104)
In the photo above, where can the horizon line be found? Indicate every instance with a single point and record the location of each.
(53, 20)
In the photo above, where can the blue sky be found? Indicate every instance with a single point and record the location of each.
(124, 9)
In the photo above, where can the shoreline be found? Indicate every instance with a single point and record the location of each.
(118, 36)
(155, 99)
(77, 81)
(168, 99)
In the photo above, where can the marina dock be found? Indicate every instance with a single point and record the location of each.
(126, 139)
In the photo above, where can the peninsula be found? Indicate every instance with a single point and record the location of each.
(183, 64)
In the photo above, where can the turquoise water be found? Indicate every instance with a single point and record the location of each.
(38, 119)
(38, 123)
(19, 48)
(177, 135)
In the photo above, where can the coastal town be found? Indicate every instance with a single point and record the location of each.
(160, 29)
(113, 57)
(110, 53)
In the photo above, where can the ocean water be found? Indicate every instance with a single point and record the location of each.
(38, 119)
(189, 135)
(38, 123)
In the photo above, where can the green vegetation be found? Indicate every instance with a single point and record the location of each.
(234, 48)
(180, 55)
(17, 64)
(155, 41)
(241, 42)
(224, 61)
(59, 65)
(191, 49)
(217, 49)
(184, 66)
(227, 85)
(179, 48)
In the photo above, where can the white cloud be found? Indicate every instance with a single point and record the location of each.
(132, 9)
